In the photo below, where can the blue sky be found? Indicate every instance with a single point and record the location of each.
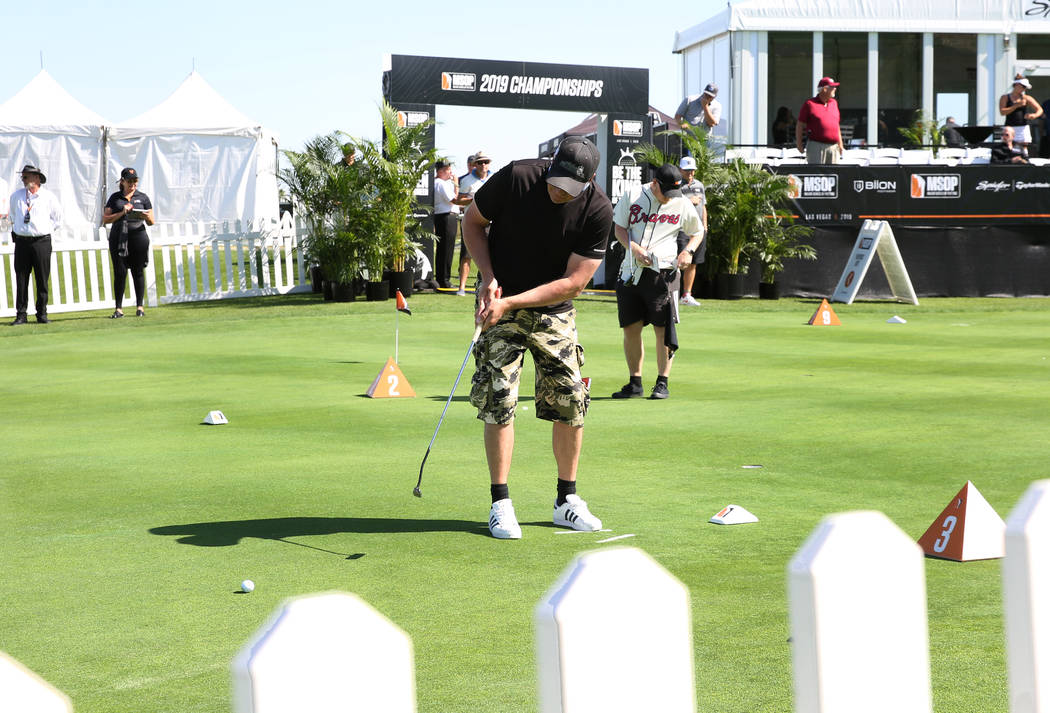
(309, 67)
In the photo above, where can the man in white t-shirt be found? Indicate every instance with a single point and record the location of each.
(647, 221)
(468, 186)
(445, 220)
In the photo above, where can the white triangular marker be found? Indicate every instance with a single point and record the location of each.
(215, 418)
(733, 515)
(897, 319)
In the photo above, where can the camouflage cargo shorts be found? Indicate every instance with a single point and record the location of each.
(499, 355)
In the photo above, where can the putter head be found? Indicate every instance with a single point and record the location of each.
(415, 491)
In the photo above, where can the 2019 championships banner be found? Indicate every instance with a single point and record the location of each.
(516, 85)
(920, 195)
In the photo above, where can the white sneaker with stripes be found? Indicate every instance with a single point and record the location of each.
(574, 513)
(503, 524)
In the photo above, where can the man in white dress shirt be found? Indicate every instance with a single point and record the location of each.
(35, 213)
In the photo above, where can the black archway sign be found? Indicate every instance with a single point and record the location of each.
(416, 85)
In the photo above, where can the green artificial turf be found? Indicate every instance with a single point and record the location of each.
(127, 526)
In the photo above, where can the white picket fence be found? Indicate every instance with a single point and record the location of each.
(197, 261)
(613, 633)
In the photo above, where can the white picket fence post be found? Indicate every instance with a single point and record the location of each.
(81, 273)
(1026, 600)
(325, 652)
(22, 691)
(857, 595)
(614, 635)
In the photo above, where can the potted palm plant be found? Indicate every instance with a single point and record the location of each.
(394, 168)
(778, 241)
(334, 206)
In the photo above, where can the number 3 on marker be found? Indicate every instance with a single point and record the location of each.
(826, 318)
(946, 534)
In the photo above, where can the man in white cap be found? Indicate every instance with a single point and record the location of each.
(693, 190)
(702, 110)
(35, 213)
(468, 186)
(1019, 108)
(819, 116)
(537, 230)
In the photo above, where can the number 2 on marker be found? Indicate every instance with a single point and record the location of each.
(946, 533)
(392, 380)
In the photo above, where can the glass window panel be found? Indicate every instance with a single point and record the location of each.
(900, 84)
(846, 60)
(790, 75)
(954, 73)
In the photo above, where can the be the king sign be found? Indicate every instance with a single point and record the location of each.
(968, 529)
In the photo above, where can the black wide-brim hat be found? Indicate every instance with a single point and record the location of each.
(30, 168)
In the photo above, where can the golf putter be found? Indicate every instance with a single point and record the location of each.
(473, 340)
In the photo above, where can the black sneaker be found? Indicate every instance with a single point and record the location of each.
(629, 391)
(20, 319)
(660, 391)
(42, 319)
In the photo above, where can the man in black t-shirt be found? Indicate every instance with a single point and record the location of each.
(548, 222)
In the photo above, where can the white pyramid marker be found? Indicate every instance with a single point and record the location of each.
(968, 529)
(732, 515)
(215, 418)
(896, 319)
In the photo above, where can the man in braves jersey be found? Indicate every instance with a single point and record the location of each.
(647, 221)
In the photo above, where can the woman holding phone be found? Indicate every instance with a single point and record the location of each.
(129, 211)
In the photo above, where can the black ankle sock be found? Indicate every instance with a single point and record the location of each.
(661, 378)
(565, 488)
(636, 381)
(499, 492)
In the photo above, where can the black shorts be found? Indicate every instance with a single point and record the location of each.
(698, 256)
(648, 300)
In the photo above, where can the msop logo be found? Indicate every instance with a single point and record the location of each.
(822, 185)
(936, 185)
(628, 128)
(458, 81)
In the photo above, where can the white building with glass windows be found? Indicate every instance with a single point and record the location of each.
(892, 57)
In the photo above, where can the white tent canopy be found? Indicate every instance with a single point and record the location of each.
(962, 16)
(199, 158)
(44, 125)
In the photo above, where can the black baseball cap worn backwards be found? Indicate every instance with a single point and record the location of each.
(669, 178)
(574, 165)
(129, 174)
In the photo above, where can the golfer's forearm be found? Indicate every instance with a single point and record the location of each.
(477, 244)
(549, 293)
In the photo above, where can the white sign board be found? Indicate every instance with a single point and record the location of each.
(22, 691)
(1026, 600)
(857, 595)
(325, 652)
(875, 236)
(614, 635)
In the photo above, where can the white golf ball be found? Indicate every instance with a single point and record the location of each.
(247, 586)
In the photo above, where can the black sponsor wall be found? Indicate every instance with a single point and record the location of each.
(963, 231)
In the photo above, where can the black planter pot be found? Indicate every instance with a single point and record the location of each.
(400, 281)
(768, 291)
(316, 278)
(703, 287)
(377, 291)
(729, 287)
(343, 292)
(326, 290)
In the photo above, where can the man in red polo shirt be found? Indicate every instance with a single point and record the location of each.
(820, 115)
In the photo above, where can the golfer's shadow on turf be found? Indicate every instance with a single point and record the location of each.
(231, 532)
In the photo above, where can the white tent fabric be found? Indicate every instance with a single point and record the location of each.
(198, 158)
(962, 16)
(44, 125)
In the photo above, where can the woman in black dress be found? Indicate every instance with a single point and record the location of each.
(129, 211)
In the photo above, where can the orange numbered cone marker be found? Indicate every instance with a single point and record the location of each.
(968, 529)
(825, 316)
(390, 383)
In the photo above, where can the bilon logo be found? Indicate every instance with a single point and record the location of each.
(878, 186)
(458, 81)
(627, 128)
(823, 185)
(936, 185)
